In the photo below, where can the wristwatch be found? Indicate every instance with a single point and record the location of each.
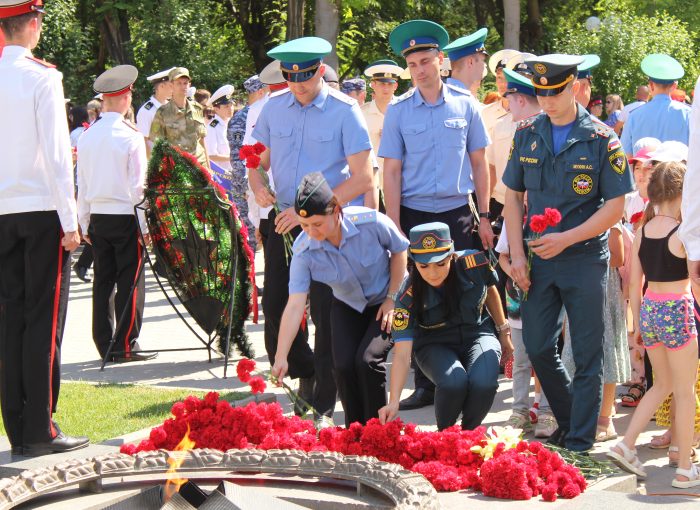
(393, 295)
(503, 327)
(486, 215)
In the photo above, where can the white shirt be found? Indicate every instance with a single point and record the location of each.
(145, 115)
(627, 109)
(255, 212)
(36, 168)
(216, 142)
(497, 153)
(111, 169)
(689, 232)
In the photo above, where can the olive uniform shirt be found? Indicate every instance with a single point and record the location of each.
(182, 127)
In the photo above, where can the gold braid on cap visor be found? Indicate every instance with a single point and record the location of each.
(549, 87)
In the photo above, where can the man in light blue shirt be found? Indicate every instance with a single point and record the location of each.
(660, 118)
(433, 144)
(309, 128)
(468, 60)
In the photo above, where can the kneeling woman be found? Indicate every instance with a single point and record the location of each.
(440, 313)
(361, 255)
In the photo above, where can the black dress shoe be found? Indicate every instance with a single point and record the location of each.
(134, 356)
(558, 438)
(419, 398)
(81, 272)
(60, 443)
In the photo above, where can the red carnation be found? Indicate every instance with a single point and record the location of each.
(636, 217)
(259, 148)
(244, 368)
(244, 152)
(538, 223)
(553, 216)
(252, 161)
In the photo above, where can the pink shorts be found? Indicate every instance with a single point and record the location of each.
(667, 319)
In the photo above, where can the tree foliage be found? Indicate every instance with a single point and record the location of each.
(623, 40)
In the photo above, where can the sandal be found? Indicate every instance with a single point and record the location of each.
(661, 442)
(673, 462)
(605, 433)
(692, 474)
(627, 460)
(631, 398)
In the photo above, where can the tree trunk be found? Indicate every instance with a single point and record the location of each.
(260, 32)
(511, 25)
(295, 19)
(327, 21)
(116, 36)
(534, 24)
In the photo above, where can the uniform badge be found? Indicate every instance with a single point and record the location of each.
(512, 146)
(429, 243)
(303, 213)
(618, 162)
(540, 69)
(412, 42)
(295, 67)
(582, 184)
(613, 144)
(543, 81)
(533, 146)
(401, 316)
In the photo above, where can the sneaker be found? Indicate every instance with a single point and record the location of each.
(323, 422)
(546, 425)
(519, 421)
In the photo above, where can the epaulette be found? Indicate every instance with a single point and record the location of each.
(149, 105)
(278, 93)
(526, 123)
(196, 105)
(41, 62)
(602, 130)
(407, 294)
(214, 123)
(405, 95)
(362, 218)
(455, 88)
(341, 97)
(131, 125)
(475, 259)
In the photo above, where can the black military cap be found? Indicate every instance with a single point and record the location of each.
(313, 195)
(116, 81)
(552, 73)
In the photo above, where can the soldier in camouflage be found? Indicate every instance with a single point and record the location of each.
(181, 121)
(235, 133)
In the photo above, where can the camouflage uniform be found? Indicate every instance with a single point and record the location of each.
(184, 128)
(239, 177)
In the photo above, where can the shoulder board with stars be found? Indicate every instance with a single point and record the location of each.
(363, 217)
(341, 97)
(41, 62)
(602, 130)
(149, 105)
(301, 244)
(405, 95)
(214, 123)
(526, 123)
(476, 259)
(130, 125)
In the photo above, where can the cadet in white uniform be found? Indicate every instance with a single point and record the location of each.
(38, 228)
(216, 142)
(162, 92)
(111, 181)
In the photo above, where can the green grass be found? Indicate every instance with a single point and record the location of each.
(104, 411)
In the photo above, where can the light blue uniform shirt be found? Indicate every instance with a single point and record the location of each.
(317, 137)
(456, 83)
(661, 118)
(358, 270)
(434, 142)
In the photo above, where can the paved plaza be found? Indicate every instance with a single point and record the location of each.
(163, 329)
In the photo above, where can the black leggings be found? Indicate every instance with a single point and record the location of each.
(360, 349)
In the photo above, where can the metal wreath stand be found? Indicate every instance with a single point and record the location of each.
(192, 251)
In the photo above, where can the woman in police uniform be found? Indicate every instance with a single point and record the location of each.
(440, 313)
(361, 255)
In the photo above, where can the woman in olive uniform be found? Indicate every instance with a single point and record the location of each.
(361, 255)
(440, 313)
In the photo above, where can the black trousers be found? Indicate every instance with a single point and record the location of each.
(461, 223)
(86, 257)
(360, 349)
(34, 280)
(303, 362)
(118, 260)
